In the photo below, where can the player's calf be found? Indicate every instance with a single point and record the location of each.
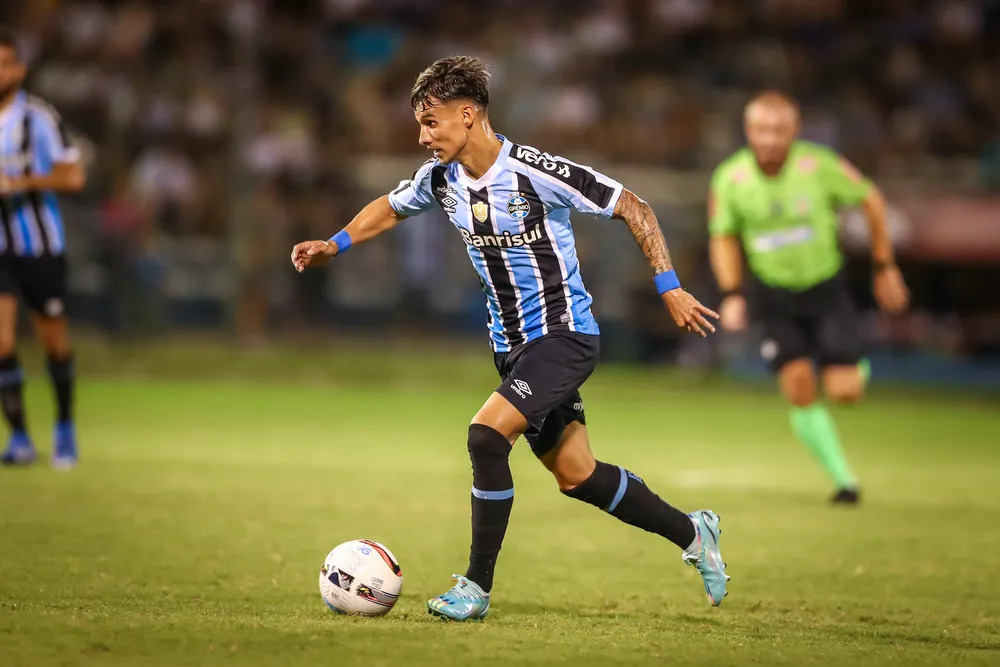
(19, 447)
(492, 499)
(625, 496)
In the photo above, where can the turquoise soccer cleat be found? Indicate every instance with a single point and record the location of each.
(704, 555)
(465, 601)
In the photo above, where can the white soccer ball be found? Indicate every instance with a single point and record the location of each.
(360, 577)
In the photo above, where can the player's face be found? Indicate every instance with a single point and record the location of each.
(444, 127)
(771, 129)
(11, 71)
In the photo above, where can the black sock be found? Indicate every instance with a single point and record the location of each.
(11, 381)
(492, 498)
(61, 372)
(625, 496)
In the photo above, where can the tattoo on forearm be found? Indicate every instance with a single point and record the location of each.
(641, 220)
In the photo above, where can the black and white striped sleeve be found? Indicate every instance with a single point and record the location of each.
(51, 137)
(574, 185)
(414, 196)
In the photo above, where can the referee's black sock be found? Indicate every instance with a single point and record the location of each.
(492, 498)
(61, 372)
(624, 495)
(11, 382)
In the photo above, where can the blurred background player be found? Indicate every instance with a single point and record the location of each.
(511, 204)
(775, 202)
(36, 161)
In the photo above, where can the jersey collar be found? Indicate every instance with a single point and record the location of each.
(491, 173)
(15, 108)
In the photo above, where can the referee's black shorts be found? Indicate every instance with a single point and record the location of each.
(818, 323)
(542, 378)
(41, 281)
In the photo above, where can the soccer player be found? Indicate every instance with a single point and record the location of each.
(36, 161)
(775, 202)
(511, 207)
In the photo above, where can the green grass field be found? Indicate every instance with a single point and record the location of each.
(214, 483)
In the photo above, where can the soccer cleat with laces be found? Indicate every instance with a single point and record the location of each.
(465, 601)
(704, 555)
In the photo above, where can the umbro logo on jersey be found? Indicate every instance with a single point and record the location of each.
(521, 388)
(446, 196)
(54, 307)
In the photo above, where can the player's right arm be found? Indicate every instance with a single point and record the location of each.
(411, 197)
(726, 253)
(375, 218)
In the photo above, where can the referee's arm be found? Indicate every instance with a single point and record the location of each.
(725, 252)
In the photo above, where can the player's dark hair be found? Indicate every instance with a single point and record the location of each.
(452, 78)
(8, 38)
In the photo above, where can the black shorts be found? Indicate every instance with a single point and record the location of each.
(542, 379)
(40, 280)
(819, 323)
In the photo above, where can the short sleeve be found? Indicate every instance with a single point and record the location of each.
(414, 196)
(51, 138)
(843, 182)
(722, 217)
(572, 185)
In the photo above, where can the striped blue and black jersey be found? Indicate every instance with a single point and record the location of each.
(32, 140)
(515, 222)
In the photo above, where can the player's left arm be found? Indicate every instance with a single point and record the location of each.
(849, 187)
(687, 311)
(64, 177)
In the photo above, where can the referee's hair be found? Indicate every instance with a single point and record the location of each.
(8, 38)
(774, 98)
(453, 78)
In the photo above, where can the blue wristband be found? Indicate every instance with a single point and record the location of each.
(343, 241)
(666, 281)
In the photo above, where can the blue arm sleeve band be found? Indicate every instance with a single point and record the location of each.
(343, 241)
(666, 281)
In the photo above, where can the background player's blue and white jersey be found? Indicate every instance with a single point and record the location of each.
(32, 140)
(515, 223)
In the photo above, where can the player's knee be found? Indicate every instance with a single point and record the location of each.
(59, 349)
(486, 445)
(571, 474)
(7, 345)
(798, 382)
(844, 392)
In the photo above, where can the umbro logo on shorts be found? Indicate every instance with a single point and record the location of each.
(521, 388)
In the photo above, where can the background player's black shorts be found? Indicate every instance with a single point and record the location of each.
(542, 378)
(819, 323)
(40, 280)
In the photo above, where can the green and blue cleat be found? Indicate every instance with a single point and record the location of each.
(465, 601)
(704, 555)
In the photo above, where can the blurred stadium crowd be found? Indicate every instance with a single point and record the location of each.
(218, 132)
